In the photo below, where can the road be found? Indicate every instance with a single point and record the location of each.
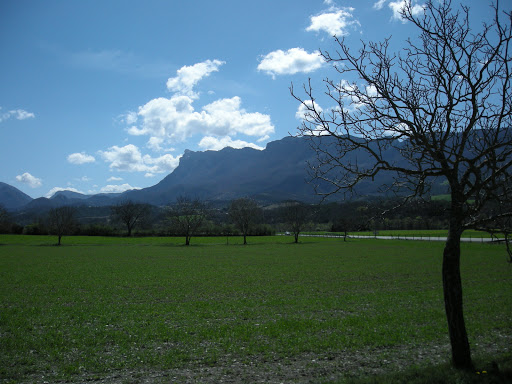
(423, 238)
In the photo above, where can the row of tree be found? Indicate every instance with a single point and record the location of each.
(189, 217)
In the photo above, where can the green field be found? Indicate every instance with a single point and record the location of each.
(143, 310)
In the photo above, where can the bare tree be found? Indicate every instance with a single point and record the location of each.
(501, 225)
(444, 106)
(244, 212)
(4, 219)
(61, 221)
(130, 214)
(296, 214)
(187, 216)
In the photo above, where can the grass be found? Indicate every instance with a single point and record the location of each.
(324, 307)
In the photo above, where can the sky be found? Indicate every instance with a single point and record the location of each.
(104, 96)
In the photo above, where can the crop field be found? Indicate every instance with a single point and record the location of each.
(150, 310)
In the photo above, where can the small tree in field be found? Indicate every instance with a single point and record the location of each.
(296, 214)
(243, 213)
(444, 104)
(4, 219)
(130, 214)
(187, 216)
(61, 221)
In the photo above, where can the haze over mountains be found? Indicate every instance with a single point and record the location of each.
(278, 173)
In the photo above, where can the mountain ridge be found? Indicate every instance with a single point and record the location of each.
(277, 173)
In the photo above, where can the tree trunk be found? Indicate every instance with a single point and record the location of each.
(296, 237)
(187, 240)
(129, 231)
(60, 236)
(245, 239)
(452, 287)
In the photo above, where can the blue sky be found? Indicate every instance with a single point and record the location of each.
(104, 96)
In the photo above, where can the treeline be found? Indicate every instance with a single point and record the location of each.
(198, 218)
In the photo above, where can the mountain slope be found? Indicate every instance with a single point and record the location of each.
(12, 198)
(274, 174)
(277, 173)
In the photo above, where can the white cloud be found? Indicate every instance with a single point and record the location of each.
(167, 121)
(117, 188)
(189, 76)
(127, 158)
(18, 114)
(335, 21)
(226, 116)
(290, 62)
(130, 159)
(54, 190)
(398, 5)
(379, 4)
(114, 178)
(155, 143)
(130, 118)
(175, 120)
(216, 144)
(31, 181)
(80, 158)
(302, 111)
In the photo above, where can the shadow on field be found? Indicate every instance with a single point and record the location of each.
(497, 371)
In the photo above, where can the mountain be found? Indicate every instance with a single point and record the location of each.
(70, 195)
(12, 198)
(277, 173)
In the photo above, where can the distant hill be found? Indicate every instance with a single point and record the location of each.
(70, 195)
(274, 174)
(277, 173)
(12, 198)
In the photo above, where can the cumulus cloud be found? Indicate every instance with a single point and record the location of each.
(130, 159)
(335, 21)
(302, 111)
(188, 76)
(28, 179)
(216, 144)
(167, 121)
(131, 118)
(18, 114)
(114, 178)
(54, 190)
(117, 188)
(155, 143)
(80, 158)
(175, 120)
(397, 6)
(379, 4)
(290, 62)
